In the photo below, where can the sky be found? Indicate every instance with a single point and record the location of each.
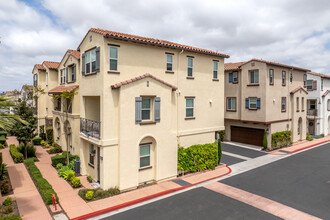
(293, 32)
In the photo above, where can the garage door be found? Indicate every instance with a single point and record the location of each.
(247, 135)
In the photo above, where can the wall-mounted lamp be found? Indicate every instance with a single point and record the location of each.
(267, 131)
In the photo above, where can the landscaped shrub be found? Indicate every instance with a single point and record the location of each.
(99, 193)
(31, 150)
(43, 143)
(59, 166)
(43, 185)
(222, 134)
(308, 137)
(281, 139)
(8, 201)
(11, 217)
(3, 133)
(2, 146)
(89, 179)
(2, 139)
(76, 182)
(37, 140)
(219, 151)
(55, 150)
(264, 141)
(62, 171)
(68, 175)
(49, 134)
(197, 157)
(89, 195)
(8, 210)
(17, 156)
(71, 157)
(42, 133)
(5, 187)
(58, 159)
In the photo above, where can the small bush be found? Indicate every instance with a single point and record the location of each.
(8, 201)
(2, 139)
(2, 146)
(89, 179)
(219, 151)
(59, 166)
(49, 134)
(281, 139)
(31, 150)
(62, 171)
(76, 182)
(4, 187)
(264, 141)
(8, 210)
(68, 175)
(37, 140)
(47, 145)
(99, 193)
(54, 144)
(308, 137)
(11, 217)
(89, 195)
(55, 150)
(43, 143)
(71, 157)
(222, 134)
(58, 159)
(3, 133)
(17, 156)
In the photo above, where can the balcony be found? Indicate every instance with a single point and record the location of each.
(90, 128)
(311, 112)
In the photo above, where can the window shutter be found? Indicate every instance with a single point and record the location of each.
(83, 64)
(74, 72)
(66, 74)
(258, 103)
(157, 109)
(230, 77)
(246, 103)
(138, 107)
(314, 84)
(97, 51)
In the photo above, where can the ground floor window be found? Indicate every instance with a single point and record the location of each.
(91, 154)
(144, 155)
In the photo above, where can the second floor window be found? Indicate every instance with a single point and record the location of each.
(328, 104)
(61, 77)
(35, 80)
(233, 77)
(254, 76)
(252, 103)
(302, 104)
(146, 109)
(113, 58)
(309, 84)
(189, 107)
(305, 80)
(271, 77)
(64, 76)
(231, 104)
(73, 73)
(297, 103)
(283, 78)
(169, 62)
(91, 61)
(46, 79)
(291, 77)
(283, 104)
(190, 67)
(322, 84)
(215, 69)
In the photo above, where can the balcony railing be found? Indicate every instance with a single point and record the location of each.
(312, 112)
(90, 127)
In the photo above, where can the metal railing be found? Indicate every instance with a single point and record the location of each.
(312, 112)
(90, 127)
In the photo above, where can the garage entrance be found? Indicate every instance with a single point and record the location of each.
(247, 135)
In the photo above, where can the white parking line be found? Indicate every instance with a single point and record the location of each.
(235, 155)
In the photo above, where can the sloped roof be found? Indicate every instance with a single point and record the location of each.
(51, 64)
(152, 41)
(233, 66)
(74, 53)
(326, 93)
(297, 89)
(319, 74)
(60, 89)
(118, 85)
(39, 67)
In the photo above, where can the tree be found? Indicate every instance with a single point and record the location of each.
(25, 134)
(264, 141)
(219, 151)
(8, 121)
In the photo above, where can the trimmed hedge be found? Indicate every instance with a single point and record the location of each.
(281, 139)
(37, 140)
(62, 158)
(55, 150)
(198, 157)
(49, 134)
(31, 150)
(2, 139)
(11, 217)
(17, 156)
(45, 189)
(3, 133)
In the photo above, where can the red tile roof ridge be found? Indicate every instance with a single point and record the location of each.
(297, 89)
(51, 64)
(60, 89)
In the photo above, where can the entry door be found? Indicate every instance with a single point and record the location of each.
(311, 127)
(98, 165)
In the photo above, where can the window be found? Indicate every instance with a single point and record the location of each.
(91, 154)
(305, 80)
(309, 85)
(144, 155)
(190, 67)
(283, 104)
(145, 110)
(299, 124)
(215, 69)
(291, 77)
(302, 104)
(64, 76)
(73, 73)
(169, 62)
(254, 76)
(253, 103)
(35, 80)
(90, 61)
(61, 76)
(312, 104)
(297, 103)
(233, 77)
(189, 107)
(283, 78)
(113, 58)
(231, 104)
(271, 76)
(322, 84)
(328, 104)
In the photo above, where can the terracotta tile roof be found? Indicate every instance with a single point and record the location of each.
(237, 66)
(319, 74)
(233, 66)
(118, 85)
(297, 89)
(74, 53)
(61, 89)
(51, 64)
(39, 67)
(13, 93)
(152, 41)
(326, 93)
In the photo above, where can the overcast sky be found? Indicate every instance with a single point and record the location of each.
(295, 32)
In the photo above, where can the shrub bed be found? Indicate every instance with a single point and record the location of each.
(31, 150)
(17, 156)
(36, 140)
(95, 194)
(281, 139)
(49, 134)
(45, 189)
(3, 133)
(55, 150)
(2, 139)
(198, 157)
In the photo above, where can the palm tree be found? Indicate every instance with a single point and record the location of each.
(7, 121)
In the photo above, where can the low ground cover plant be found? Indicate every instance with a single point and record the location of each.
(17, 156)
(99, 193)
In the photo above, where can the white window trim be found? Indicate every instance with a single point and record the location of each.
(190, 67)
(216, 70)
(116, 70)
(254, 76)
(169, 55)
(283, 104)
(311, 86)
(230, 100)
(90, 61)
(143, 145)
(145, 109)
(271, 76)
(193, 108)
(235, 78)
(253, 103)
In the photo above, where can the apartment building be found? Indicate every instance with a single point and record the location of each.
(264, 97)
(141, 98)
(318, 103)
(44, 77)
(66, 112)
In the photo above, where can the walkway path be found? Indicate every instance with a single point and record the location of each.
(29, 201)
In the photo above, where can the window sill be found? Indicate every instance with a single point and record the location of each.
(234, 82)
(283, 111)
(91, 165)
(145, 168)
(71, 82)
(190, 77)
(271, 84)
(90, 74)
(230, 110)
(304, 110)
(253, 109)
(298, 111)
(189, 118)
(283, 85)
(171, 72)
(113, 72)
(253, 84)
(215, 80)
(147, 123)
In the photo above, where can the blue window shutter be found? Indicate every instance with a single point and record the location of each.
(230, 77)
(258, 103)
(247, 103)
(83, 64)
(97, 52)
(138, 108)
(157, 109)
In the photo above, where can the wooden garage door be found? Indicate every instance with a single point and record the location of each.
(247, 135)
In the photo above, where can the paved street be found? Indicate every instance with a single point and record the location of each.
(298, 184)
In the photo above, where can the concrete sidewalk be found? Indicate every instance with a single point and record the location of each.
(29, 202)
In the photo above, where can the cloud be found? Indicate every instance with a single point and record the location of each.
(293, 32)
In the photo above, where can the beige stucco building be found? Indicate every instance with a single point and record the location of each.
(141, 98)
(263, 96)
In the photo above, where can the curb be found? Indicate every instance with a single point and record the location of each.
(294, 151)
(133, 202)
